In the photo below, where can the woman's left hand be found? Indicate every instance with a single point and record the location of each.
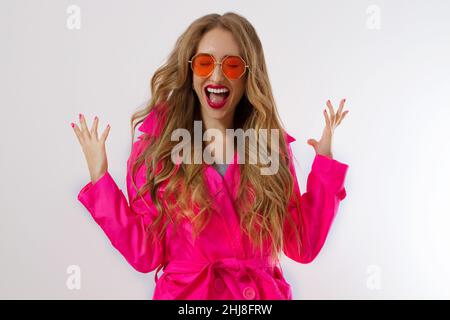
(332, 120)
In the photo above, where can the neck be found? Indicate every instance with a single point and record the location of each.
(220, 151)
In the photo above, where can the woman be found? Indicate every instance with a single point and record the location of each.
(215, 230)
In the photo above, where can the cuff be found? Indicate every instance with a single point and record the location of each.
(331, 172)
(92, 191)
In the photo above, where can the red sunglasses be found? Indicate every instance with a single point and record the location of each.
(203, 64)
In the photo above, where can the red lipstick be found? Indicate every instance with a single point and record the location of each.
(217, 104)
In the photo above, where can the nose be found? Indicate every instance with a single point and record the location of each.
(217, 74)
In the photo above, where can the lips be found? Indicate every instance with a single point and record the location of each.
(216, 100)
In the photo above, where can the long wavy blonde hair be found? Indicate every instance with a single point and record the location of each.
(263, 199)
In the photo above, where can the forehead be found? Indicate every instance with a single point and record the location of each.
(219, 43)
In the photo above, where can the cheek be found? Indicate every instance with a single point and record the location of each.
(239, 88)
(197, 82)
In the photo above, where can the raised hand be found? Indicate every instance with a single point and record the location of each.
(332, 120)
(93, 147)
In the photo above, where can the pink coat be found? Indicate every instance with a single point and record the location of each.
(220, 264)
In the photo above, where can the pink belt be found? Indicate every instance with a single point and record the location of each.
(232, 264)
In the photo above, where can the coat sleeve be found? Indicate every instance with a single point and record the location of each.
(124, 225)
(316, 207)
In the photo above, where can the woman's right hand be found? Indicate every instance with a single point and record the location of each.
(93, 148)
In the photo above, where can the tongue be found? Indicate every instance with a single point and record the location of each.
(216, 97)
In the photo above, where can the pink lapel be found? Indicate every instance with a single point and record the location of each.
(154, 121)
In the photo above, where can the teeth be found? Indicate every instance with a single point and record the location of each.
(223, 90)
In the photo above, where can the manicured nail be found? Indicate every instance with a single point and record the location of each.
(95, 118)
(80, 115)
(328, 101)
(108, 126)
(72, 124)
(344, 100)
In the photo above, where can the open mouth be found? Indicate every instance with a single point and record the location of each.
(216, 98)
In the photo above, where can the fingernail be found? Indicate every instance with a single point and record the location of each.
(344, 99)
(108, 125)
(95, 118)
(72, 124)
(80, 115)
(328, 100)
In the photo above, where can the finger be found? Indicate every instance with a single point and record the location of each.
(313, 143)
(94, 128)
(343, 116)
(77, 133)
(327, 119)
(330, 107)
(341, 106)
(105, 133)
(84, 128)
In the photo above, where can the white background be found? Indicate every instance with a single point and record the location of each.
(390, 239)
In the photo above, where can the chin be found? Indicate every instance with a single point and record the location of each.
(215, 113)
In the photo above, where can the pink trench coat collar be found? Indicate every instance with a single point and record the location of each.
(221, 263)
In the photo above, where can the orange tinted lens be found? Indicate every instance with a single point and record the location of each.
(202, 65)
(233, 67)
